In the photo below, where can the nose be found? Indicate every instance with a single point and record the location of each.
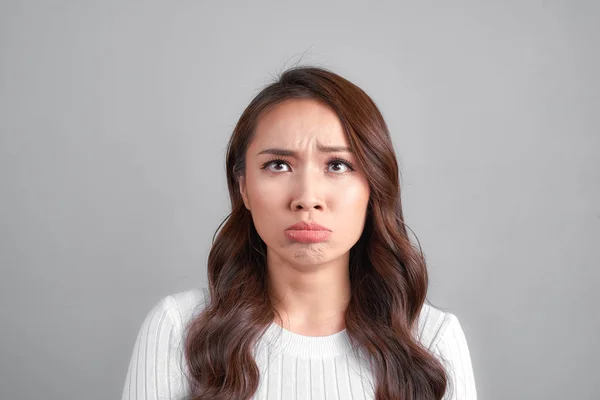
(308, 194)
(306, 204)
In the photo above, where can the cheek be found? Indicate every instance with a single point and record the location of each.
(353, 197)
(351, 207)
(266, 195)
(258, 190)
(267, 201)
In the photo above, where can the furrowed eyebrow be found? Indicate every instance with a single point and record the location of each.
(291, 153)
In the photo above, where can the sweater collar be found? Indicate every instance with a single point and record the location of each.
(284, 341)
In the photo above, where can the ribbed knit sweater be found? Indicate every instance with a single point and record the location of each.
(292, 366)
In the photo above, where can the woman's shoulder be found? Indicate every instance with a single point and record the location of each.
(442, 334)
(158, 348)
(433, 324)
(182, 306)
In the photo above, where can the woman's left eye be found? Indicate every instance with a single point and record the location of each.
(343, 164)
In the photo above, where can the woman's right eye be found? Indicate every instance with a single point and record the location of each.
(276, 164)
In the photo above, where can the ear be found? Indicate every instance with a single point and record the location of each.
(242, 182)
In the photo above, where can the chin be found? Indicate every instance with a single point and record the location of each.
(312, 254)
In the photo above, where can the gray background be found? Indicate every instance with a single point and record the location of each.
(114, 118)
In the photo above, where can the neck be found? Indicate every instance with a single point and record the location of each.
(310, 299)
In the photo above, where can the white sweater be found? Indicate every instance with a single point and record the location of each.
(292, 366)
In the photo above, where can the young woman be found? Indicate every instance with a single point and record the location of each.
(315, 290)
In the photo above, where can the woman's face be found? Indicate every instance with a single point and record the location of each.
(294, 174)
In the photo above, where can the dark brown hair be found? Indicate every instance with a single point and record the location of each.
(388, 273)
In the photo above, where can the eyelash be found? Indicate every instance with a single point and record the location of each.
(332, 161)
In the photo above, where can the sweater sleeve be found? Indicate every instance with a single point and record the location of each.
(452, 350)
(155, 367)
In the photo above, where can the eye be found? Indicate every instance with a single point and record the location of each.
(275, 162)
(341, 162)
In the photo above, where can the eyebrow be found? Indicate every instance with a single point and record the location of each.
(292, 153)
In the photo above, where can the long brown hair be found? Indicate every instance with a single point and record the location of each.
(388, 273)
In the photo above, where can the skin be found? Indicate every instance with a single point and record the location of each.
(309, 283)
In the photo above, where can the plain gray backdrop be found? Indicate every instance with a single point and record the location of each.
(114, 119)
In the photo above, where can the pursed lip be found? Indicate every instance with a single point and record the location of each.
(306, 226)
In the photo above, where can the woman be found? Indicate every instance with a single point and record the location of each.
(314, 289)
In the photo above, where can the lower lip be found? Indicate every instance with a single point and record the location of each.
(305, 236)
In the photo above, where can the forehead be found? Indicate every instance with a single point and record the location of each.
(299, 122)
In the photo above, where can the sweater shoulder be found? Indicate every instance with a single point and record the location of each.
(431, 325)
(185, 306)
